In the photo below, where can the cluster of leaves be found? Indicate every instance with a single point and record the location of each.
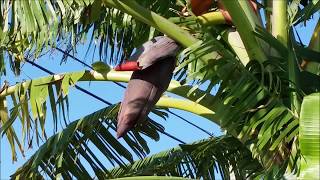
(35, 95)
(65, 153)
(38, 25)
(23, 27)
(203, 159)
(264, 120)
(119, 33)
(298, 14)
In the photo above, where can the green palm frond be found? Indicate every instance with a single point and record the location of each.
(65, 153)
(304, 14)
(26, 26)
(257, 103)
(34, 96)
(255, 112)
(246, 21)
(249, 102)
(32, 99)
(207, 159)
(6, 123)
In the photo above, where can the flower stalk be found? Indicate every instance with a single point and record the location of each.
(124, 76)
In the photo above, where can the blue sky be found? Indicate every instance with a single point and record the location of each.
(82, 104)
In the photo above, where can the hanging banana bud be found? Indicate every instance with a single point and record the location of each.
(153, 64)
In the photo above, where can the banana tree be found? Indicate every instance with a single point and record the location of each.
(268, 86)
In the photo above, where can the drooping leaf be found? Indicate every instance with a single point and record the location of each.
(86, 137)
(196, 160)
(101, 67)
(70, 79)
(309, 134)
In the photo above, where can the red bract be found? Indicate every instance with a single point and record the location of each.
(128, 66)
(200, 7)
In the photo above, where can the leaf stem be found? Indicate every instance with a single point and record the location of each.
(124, 76)
(280, 30)
(211, 18)
(189, 106)
(280, 21)
(246, 21)
(153, 19)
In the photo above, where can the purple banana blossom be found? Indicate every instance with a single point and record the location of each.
(153, 69)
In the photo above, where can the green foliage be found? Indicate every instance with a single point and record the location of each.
(302, 15)
(257, 101)
(34, 26)
(263, 121)
(34, 95)
(203, 159)
(64, 154)
(309, 136)
(100, 67)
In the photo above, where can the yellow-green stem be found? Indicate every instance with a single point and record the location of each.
(124, 76)
(153, 19)
(211, 18)
(280, 30)
(280, 21)
(119, 76)
(245, 20)
(189, 106)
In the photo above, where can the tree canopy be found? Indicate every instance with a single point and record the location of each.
(267, 81)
